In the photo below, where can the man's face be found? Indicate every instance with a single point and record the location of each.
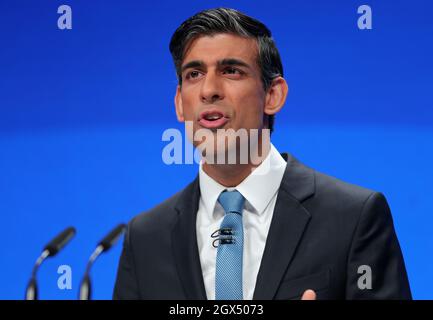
(221, 84)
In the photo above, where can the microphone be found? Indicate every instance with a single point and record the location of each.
(103, 246)
(50, 250)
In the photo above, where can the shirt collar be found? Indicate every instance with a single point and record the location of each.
(258, 188)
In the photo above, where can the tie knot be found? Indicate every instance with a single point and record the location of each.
(232, 201)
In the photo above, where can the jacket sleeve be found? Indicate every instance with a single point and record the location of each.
(126, 287)
(375, 267)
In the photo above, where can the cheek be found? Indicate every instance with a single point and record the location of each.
(188, 105)
(249, 110)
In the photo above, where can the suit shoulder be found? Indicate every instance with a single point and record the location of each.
(345, 201)
(336, 197)
(157, 218)
(333, 187)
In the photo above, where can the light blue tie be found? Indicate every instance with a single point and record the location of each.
(228, 276)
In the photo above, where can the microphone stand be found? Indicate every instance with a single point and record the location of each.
(86, 285)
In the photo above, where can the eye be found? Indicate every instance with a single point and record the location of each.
(232, 70)
(233, 73)
(194, 74)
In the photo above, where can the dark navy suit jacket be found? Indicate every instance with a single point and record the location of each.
(322, 231)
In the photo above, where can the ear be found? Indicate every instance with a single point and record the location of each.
(178, 105)
(276, 96)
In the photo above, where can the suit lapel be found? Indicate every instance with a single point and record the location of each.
(184, 243)
(289, 221)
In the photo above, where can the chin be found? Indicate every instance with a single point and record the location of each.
(226, 152)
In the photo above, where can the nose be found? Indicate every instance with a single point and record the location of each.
(211, 89)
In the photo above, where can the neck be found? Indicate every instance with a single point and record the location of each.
(231, 175)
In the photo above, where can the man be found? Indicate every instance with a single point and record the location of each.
(268, 228)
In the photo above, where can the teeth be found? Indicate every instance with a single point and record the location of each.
(213, 117)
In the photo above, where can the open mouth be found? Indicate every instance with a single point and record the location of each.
(212, 119)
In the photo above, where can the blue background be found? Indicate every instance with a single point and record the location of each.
(82, 113)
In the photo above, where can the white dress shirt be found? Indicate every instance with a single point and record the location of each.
(260, 191)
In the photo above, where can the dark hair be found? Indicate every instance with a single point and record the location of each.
(225, 20)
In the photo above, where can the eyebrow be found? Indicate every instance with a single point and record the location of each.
(192, 64)
(233, 62)
(223, 62)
